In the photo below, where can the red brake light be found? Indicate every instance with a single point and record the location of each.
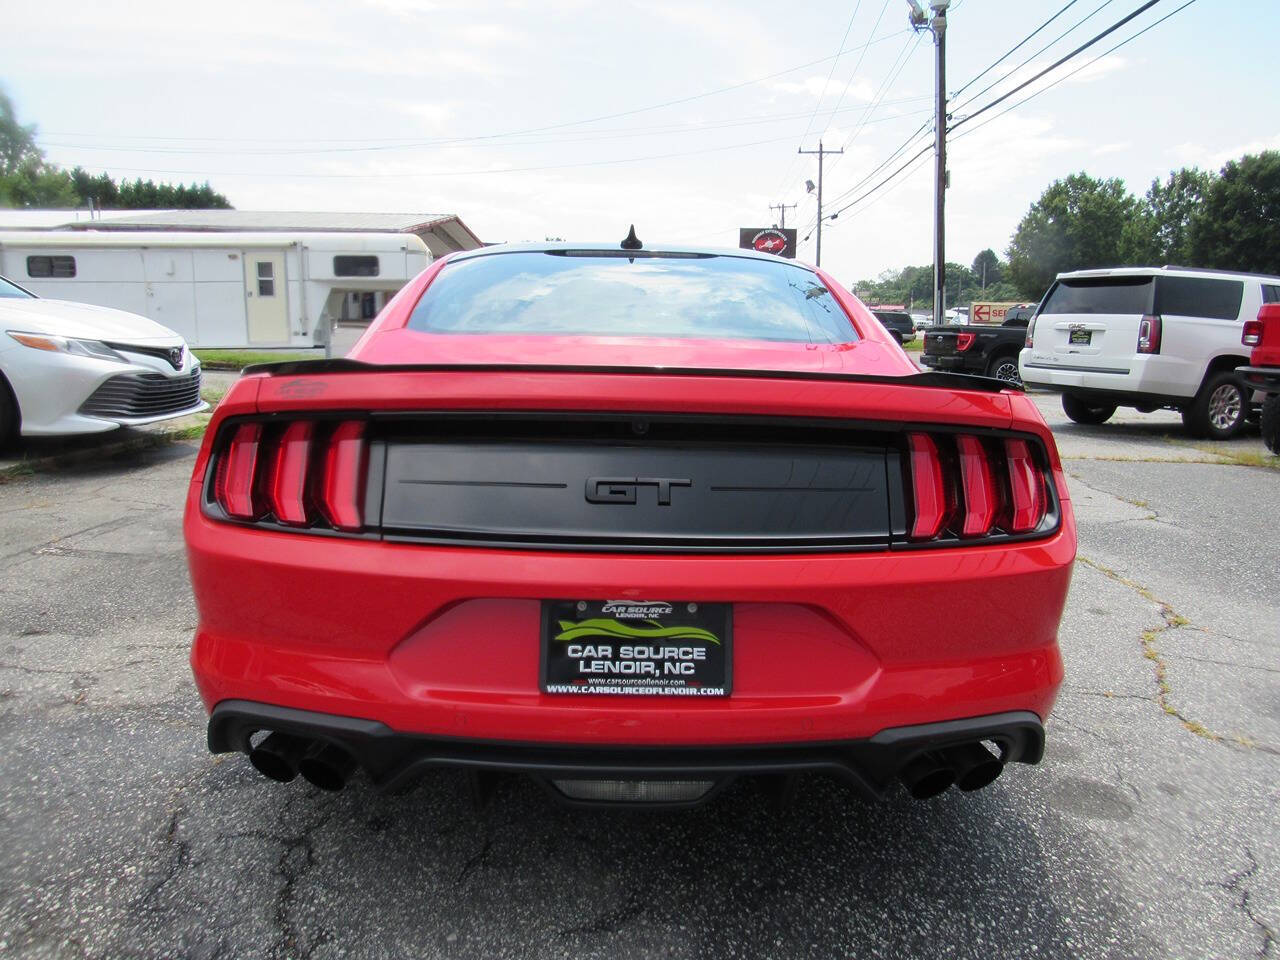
(1026, 488)
(964, 341)
(287, 490)
(981, 498)
(1251, 336)
(342, 487)
(1031, 334)
(1149, 328)
(234, 484)
(928, 487)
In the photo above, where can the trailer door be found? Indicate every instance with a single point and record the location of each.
(170, 290)
(266, 297)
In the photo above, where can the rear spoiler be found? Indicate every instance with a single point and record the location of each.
(931, 379)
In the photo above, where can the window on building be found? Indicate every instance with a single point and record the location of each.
(349, 265)
(266, 278)
(57, 268)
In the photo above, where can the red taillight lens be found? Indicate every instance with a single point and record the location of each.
(234, 485)
(981, 497)
(964, 341)
(342, 486)
(1251, 335)
(1031, 334)
(1149, 329)
(1026, 488)
(929, 488)
(287, 490)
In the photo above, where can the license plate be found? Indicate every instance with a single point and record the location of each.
(1080, 338)
(625, 647)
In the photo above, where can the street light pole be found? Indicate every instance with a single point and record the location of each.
(817, 257)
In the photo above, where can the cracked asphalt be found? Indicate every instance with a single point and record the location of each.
(1150, 830)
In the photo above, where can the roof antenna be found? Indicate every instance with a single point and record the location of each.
(632, 242)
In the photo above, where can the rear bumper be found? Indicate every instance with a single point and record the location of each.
(391, 759)
(1265, 379)
(444, 641)
(1159, 378)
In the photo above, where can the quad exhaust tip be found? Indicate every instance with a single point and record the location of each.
(282, 756)
(970, 766)
(327, 767)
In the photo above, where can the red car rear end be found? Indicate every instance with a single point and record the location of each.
(633, 565)
(1262, 336)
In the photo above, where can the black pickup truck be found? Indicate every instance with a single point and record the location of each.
(978, 349)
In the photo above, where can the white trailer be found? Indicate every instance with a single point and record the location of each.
(220, 289)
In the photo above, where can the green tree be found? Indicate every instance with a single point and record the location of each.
(1077, 223)
(18, 150)
(987, 268)
(1161, 233)
(1238, 224)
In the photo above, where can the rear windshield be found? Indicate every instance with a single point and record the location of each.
(632, 294)
(1125, 295)
(892, 316)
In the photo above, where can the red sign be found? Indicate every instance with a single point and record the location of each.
(982, 313)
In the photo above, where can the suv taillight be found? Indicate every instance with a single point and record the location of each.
(1031, 334)
(1149, 334)
(974, 487)
(1251, 335)
(300, 475)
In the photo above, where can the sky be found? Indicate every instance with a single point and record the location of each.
(575, 119)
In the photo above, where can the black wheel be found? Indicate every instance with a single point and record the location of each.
(1271, 422)
(1220, 409)
(1083, 411)
(1004, 366)
(8, 414)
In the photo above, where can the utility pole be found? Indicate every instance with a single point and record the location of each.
(782, 212)
(817, 257)
(938, 26)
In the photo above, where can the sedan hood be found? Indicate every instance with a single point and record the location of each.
(82, 321)
(413, 347)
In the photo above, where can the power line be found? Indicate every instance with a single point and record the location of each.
(1016, 48)
(1085, 66)
(927, 149)
(1053, 66)
(902, 148)
(1071, 29)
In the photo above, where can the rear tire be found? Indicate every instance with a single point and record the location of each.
(1004, 366)
(1082, 411)
(1221, 408)
(1271, 422)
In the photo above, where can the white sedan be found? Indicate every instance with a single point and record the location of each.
(76, 368)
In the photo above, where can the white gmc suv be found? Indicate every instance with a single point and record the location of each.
(1149, 338)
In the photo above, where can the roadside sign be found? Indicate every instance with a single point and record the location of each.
(990, 312)
(780, 241)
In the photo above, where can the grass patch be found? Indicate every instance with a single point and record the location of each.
(915, 346)
(239, 359)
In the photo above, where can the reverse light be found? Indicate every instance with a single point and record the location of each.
(964, 341)
(288, 486)
(342, 486)
(981, 497)
(1149, 329)
(234, 485)
(1251, 335)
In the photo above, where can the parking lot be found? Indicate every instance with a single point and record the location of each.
(1149, 830)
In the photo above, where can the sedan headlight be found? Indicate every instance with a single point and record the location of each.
(80, 348)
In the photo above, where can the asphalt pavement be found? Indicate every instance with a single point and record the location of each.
(1150, 829)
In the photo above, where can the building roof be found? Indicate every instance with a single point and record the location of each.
(442, 232)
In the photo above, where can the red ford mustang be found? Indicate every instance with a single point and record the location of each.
(634, 522)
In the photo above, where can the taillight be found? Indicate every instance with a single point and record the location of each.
(981, 499)
(1149, 334)
(235, 483)
(1031, 334)
(928, 486)
(342, 492)
(964, 341)
(1027, 500)
(968, 488)
(1251, 336)
(288, 488)
(297, 475)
